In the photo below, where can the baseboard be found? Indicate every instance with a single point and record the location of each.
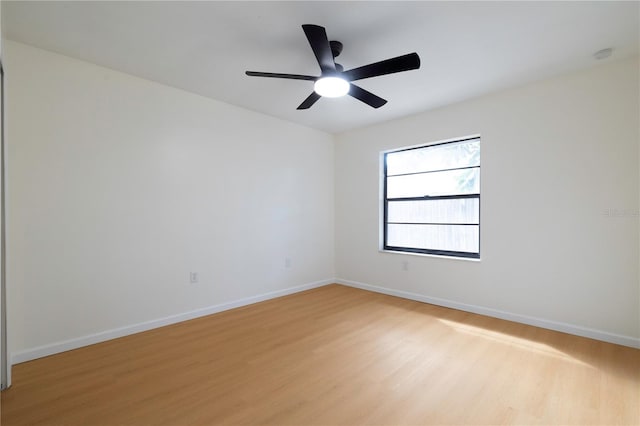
(538, 322)
(54, 348)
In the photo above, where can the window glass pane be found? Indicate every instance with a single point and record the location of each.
(464, 238)
(460, 210)
(451, 182)
(438, 157)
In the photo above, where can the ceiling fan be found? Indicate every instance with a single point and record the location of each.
(333, 80)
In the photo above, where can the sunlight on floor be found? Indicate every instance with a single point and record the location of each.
(513, 341)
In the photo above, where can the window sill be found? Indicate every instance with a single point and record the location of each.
(468, 259)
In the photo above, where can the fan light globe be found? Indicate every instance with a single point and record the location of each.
(331, 87)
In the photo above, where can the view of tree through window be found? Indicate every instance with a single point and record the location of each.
(432, 199)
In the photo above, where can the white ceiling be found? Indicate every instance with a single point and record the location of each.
(467, 48)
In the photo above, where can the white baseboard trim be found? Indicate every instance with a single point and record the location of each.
(524, 319)
(67, 345)
(54, 348)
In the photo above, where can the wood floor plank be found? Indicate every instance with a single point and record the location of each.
(332, 356)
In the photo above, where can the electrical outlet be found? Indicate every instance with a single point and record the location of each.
(193, 277)
(287, 262)
(405, 265)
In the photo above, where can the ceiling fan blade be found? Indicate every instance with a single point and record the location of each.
(279, 75)
(366, 96)
(306, 104)
(319, 42)
(407, 62)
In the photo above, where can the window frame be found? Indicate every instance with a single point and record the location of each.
(385, 205)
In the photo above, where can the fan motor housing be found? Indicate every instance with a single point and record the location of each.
(336, 48)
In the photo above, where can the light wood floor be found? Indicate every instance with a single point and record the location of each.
(333, 356)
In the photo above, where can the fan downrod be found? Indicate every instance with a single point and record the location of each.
(336, 49)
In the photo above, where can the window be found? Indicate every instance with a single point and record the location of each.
(432, 199)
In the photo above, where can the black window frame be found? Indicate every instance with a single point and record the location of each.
(385, 223)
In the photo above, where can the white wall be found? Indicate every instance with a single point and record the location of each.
(556, 156)
(119, 187)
